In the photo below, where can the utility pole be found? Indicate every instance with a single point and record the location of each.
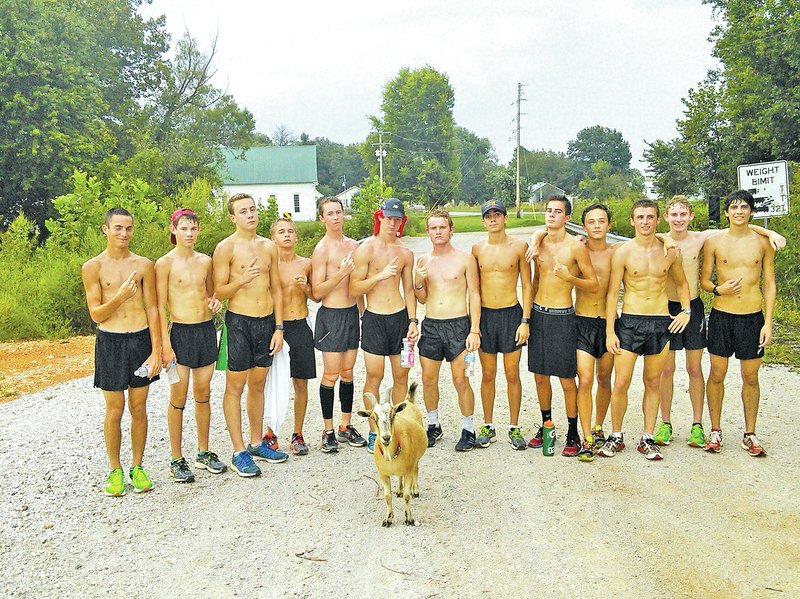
(519, 114)
(380, 153)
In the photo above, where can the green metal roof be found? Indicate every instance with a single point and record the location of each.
(271, 164)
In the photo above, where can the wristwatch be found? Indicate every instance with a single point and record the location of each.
(687, 311)
(715, 291)
(414, 320)
(279, 327)
(525, 320)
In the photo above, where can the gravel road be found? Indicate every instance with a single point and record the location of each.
(492, 523)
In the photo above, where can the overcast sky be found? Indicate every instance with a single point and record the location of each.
(320, 67)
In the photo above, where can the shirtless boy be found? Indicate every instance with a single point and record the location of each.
(562, 264)
(679, 215)
(645, 326)
(184, 285)
(121, 296)
(381, 264)
(295, 274)
(504, 323)
(444, 278)
(745, 268)
(337, 329)
(245, 267)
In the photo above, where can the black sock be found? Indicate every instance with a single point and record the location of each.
(346, 396)
(572, 430)
(326, 399)
(547, 415)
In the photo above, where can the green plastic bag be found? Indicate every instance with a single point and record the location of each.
(222, 357)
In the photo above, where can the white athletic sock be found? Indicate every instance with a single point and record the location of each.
(467, 424)
(646, 436)
(433, 417)
(511, 427)
(490, 425)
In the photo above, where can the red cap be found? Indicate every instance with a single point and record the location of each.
(176, 217)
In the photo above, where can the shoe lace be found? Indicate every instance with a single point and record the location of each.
(352, 430)
(753, 440)
(516, 433)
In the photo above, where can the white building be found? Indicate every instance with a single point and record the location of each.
(287, 173)
(346, 196)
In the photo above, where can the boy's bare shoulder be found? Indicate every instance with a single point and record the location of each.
(165, 260)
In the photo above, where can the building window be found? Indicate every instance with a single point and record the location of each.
(297, 202)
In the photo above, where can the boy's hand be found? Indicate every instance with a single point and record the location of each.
(128, 288)
(153, 362)
(276, 343)
(168, 355)
(214, 304)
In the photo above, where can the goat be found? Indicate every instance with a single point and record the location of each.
(400, 444)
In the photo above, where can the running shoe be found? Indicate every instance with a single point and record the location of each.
(516, 439)
(348, 434)
(208, 460)
(467, 441)
(242, 464)
(265, 453)
(486, 436)
(434, 434)
(753, 446)
(599, 437)
(179, 470)
(663, 435)
(329, 442)
(571, 447)
(649, 448)
(714, 441)
(697, 438)
(115, 484)
(536, 440)
(371, 437)
(141, 482)
(613, 445)
(586, 451)
(298, 445)
(271, 439)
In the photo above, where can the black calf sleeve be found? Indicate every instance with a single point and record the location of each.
(346, 396)
(326, 400)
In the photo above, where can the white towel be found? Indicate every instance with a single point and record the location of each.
(276, 395)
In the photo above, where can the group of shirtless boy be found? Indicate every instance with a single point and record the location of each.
(161, 316)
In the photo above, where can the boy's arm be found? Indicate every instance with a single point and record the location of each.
(359, 282)
(533, 248)
(612, 298)
(588, 282)
(213, 302)
(407, 278)
(524, 329)
(776, 240)
(474, 293)
(307, 289)
(769, 290)
(420, 281)
(680, 321)
(150, 298)
(163, 267)
(99, 311)
(706, 283)
(277, 299)
(221, 268)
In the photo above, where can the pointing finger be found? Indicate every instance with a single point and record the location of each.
(393, 260)
(131, 277)
(253, 262)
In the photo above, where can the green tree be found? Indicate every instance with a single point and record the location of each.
(477, 161)
(672, 167)
(605, 182)
(337, 165)
(365, 203)
(422, 163)
(600, 143)
(549, 166)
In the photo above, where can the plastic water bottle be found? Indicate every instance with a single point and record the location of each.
(469, 361)
(407, 354)
(172, 373)
(548, 438)
(142, 371)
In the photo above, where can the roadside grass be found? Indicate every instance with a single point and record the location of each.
(785, 347)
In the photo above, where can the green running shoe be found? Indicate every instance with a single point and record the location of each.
(697, 438)
(664, 434)
(599, 437)
(141, 482)
(486, 436)
(516, 439)
(115, 484)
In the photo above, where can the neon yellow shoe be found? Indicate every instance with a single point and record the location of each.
(115, 484)
(697, 438)
(664, 434)
(141, 482)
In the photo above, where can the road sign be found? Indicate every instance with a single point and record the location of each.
(769, 184)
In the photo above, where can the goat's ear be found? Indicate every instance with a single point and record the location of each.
(365, 414)
(400, 407)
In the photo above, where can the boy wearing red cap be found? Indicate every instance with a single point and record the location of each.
(183, 283)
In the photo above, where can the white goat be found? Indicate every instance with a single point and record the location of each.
(400, 444)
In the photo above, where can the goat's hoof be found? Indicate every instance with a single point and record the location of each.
(387, 523)
(410, 522)
(399, 493)
(415, 494)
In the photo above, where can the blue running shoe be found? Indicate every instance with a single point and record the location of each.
(243, 465)
(264, 452)
(371, 441)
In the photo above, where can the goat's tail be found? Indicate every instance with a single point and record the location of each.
(412, 393)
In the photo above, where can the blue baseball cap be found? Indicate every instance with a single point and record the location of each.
(492, 205)
(393, 207)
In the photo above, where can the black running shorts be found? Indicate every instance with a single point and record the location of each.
(302, 362)
(248, 341)
(337, 329)
(117, 356)
(694, 335)
(643, 335)
(382, 334)
(498, 329)
(195, 345)
(735, 334)
(443, 338)
(592, 335)
(554, 337)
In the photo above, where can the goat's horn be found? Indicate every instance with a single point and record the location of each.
(371, 397)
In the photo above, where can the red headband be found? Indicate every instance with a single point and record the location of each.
(377, 215)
